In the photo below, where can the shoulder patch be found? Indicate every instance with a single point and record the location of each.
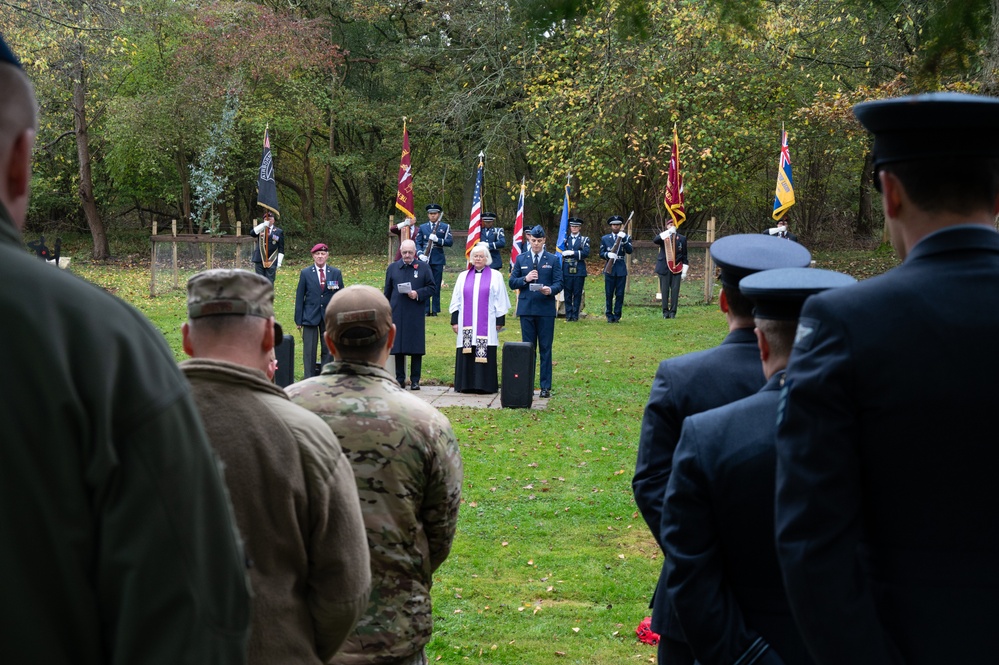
(782, 402)
(805, 335)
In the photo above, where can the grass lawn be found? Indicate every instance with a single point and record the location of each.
(552, 562)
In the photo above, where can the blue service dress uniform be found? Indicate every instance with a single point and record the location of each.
(683, 386)
(718, 532)
(574, 274)
(436, 258)
(535, 310)
(615, 280)
(409, 315)
(669, 281)
(311, 298)
(496, 241)
(275, 245)
(887, 510)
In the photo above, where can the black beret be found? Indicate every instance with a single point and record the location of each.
(933, 125)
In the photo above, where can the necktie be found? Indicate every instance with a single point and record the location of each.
(322, 278)
(535, 261)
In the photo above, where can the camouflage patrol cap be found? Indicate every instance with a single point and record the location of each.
(225, 291)
(358, 315)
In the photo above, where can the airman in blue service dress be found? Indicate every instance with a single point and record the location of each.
(402, 277)
(537, 274)
(887, 508)
(434, 236)
(721, 562)
(671, 266)
(494, 239)
(696, 382)
(577, 249)
(615, 280)
(316, 286)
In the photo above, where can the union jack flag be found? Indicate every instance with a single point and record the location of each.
(474, 227)
(784, 198)
(518, 226)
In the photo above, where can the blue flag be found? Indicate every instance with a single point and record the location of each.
(563, 226)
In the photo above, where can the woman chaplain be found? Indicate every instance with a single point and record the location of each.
(478, 309)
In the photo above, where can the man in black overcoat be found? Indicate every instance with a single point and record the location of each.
(696, 382)
(887, 508)
(409, 284)
(722, 572)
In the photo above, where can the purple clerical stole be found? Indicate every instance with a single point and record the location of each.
(475, 324)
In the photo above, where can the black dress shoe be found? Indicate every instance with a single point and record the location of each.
(545, 394)
(414, 386)
(433, 313)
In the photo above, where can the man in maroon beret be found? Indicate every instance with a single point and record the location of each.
(316, 286)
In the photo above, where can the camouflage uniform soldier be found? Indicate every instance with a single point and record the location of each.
(408, 470)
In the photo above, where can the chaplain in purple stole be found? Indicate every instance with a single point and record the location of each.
(479, 304)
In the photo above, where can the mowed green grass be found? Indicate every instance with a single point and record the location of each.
(552, 562)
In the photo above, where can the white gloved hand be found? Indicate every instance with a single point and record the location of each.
(568, 252)
(422, 257)
(683, 273)
(433, 237)
(611, 255)
(664, 235)
(622, 234)
(671, 230)
(405, 223)
(280, 259)
(774, 231)
(259, 228)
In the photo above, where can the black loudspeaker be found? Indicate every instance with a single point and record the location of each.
(517, 389)
(285, 352)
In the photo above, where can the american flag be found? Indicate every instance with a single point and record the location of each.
(518, 226)
(474, 227)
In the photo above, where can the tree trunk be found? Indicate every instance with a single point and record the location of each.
(185, 190)
(864, 225)
(102, 249)
(328, 177)
(990, 64)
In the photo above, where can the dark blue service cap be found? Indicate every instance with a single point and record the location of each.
(6, 55)
(489, 216)
(780, 294)
(434, 207)
(910, 128)
(615, 219)
(745, 253)
(536, 232)
(575, 221)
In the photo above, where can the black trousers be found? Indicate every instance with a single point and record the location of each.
(669, 286)
(572, 290)
(415, 368)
